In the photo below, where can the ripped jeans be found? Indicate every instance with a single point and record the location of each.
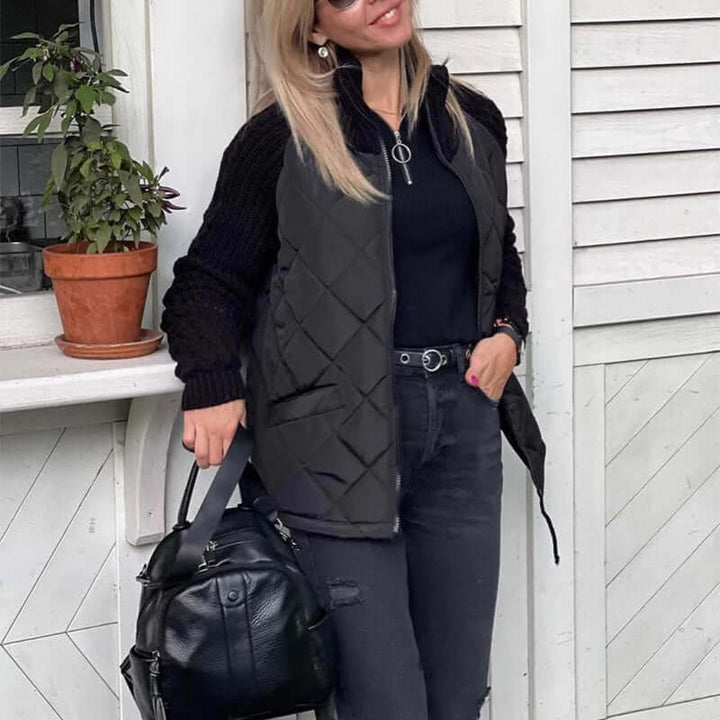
(412, 616)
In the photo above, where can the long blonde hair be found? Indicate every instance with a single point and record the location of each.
(287, 69)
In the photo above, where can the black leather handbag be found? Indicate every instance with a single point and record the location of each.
(229, 625)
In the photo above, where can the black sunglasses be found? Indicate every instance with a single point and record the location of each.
(341, 4)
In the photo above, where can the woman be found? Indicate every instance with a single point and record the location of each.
(358, 246)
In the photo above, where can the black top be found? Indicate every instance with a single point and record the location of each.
(434, 246)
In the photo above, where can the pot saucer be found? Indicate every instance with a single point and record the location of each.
(148, 342)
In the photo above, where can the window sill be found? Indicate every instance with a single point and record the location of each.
(43, 376)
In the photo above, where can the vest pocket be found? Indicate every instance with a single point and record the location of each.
(312, 402)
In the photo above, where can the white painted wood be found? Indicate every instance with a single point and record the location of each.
(130, 560)
(645, 339)
(186, 137)
(44, 376)
(612, 10)
(503, 88)
(73, 566)
(99, 645)
(28, 319)
(645, 574)
(460, 13)
(649, 259)
(635, 176)
(646, 299)
(13, 123)
(21, 699)
(664, 612)
(149, 428)
(21, 459)
(590, 631)
(65, 677)
(92, 413)
(500, 49)
(618, 375)
(46, 512)
(662, 435)
(702, 681)
(646, 219)
(644, 88)
(602, 134)
(548, 112)
(99, 606)
(515, 183)
(645, 43)
(657, 680)
(643, 395)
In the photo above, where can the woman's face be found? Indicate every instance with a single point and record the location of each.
(360, 27)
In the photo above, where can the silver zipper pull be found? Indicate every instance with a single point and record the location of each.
(401, 154)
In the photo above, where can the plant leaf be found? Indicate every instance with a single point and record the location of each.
(48, 72)
(86, 97)
(91, 131)
(37, 72)
(58, 163)
(132, 185)
(25, 36)
(4, 69)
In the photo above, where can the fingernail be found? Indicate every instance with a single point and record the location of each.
(473, 379)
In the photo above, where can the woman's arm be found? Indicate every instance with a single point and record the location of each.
(209, 309)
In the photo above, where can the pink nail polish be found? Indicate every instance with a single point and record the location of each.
(473, 379)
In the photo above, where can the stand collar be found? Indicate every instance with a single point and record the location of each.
(361, 125)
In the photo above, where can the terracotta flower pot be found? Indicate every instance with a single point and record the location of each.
(100, 297)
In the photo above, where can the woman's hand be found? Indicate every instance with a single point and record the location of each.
(491, 364)
(209, 431)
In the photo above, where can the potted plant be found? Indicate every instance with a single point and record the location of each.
(101, 268)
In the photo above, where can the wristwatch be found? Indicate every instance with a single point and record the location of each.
(506, 326)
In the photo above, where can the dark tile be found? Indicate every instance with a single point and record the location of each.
(34, 167)
(53, 13)
(18, 16)
(34, 221)
(9, 180)
(54, 226)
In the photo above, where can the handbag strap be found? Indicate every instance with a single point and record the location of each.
(196, 534)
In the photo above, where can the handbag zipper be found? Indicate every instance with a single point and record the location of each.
(391, 267)
(157, 702)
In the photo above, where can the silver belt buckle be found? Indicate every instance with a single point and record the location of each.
(426, 355)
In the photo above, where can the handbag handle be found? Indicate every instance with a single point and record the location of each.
(197, 533)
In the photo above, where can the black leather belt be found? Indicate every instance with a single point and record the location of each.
(433, 358)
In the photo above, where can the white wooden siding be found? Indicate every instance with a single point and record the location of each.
(646, 226)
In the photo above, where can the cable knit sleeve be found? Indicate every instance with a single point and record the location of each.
(512, 291)
(209, 308)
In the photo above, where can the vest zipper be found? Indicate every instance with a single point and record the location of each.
(403, 156)
(391, 341)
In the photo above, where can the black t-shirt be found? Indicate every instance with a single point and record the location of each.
(434, 246)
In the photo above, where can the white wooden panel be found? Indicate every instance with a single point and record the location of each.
(703, 680)
(460, 13)
(515, 151)
(641, 397)
(657, 680)
(702, 709)
(21, 458)
(590, 632)
(643, 88)
(503, 88)
(646, 219)
(66, 678)
(664, 433)
(638, 261)
(518, 217)
(48, 508)
(516, 192)
(609, 10)
(71, 570)
(618, 375)
(646, 299)
(37, 420)
(99, 606)
(597, 135)
(100, 646)
(646, 339)
(500, 49)
(21, 699)
(28, 319)
(646, 43)
(642, 176)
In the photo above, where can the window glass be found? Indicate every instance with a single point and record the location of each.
(25, 163)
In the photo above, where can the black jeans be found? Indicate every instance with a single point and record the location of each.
(412, 616)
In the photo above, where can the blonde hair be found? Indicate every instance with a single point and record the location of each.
(286, 68)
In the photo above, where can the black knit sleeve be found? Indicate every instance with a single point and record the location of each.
(511, 300)
(209, 308)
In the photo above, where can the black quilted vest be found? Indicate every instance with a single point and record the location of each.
(319, 377)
